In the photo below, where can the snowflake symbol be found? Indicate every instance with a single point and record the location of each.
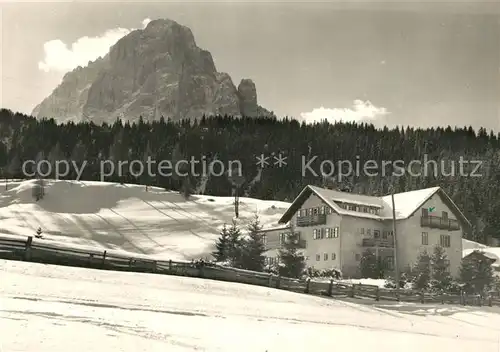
(262, 160)
(280, 160)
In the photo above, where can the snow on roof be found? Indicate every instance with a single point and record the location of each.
(406, 203)
(489, 252)
(346, 197)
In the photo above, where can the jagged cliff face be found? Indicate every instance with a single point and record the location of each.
(158, 71)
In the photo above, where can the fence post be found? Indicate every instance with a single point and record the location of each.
(104, 258)
(351, 293)
(155, 266)
(377, 294)
(270, 279)
(170, 265)
(278, 281)
(91, 256)
(27, 248)
(422, 297)
(490, 301)
(330, 288)
(308, 283)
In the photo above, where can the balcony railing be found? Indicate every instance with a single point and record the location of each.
(436, 222)
(378, 242)
(311, 220)
(301, 244)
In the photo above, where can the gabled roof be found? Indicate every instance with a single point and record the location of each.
(491, 256)
(407, 203)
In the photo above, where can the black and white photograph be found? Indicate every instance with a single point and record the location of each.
(258, 176)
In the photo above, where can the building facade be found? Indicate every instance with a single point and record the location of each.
(335, 228)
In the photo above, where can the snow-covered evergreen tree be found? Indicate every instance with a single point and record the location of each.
(292, 262)
(221, 253)
(368, 265)
(235, 246)
(253, 247)
(421, 273)
(440, 273)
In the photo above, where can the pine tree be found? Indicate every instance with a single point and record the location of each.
(235, 246)
(253, 247)
(292, 262)
(368, 265)
(221, 253)
(421, 273)
(441, 278)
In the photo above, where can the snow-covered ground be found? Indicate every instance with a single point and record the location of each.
(126, 217)
(47, 308)
(110, 216)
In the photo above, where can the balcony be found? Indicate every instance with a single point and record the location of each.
(301, 244)
(378, 242)
(436, 222)
(311, 220)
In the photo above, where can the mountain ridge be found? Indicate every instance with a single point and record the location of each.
(151, 72)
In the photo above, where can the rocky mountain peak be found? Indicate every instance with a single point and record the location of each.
(157, 71)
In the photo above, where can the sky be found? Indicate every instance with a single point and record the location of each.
(396, 63)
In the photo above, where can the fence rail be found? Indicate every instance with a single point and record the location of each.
(34, 251)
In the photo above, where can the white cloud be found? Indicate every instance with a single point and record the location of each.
(61, 57)
(361, 111)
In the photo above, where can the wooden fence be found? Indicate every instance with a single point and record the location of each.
(40, 252)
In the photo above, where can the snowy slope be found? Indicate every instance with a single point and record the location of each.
(126, 217)
(50, 309)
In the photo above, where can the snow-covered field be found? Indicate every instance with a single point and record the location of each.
(47, 308)
(111, 216)
(126, 217)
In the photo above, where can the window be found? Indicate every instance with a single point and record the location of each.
(282, 238)
(315, 211)
(322, 210)
(425, 212)
(315, 234)
(445, 241)
(351, 207)
(318, 257)
(264, 239)
(325, 256)
(322, 233)
(365, 209)
(309, 211)
(376, 233)
(329, 233)
(335, 232)
(358, 256)
(328, 210)
(390, 263)
(445, 216)
(425, 238)
(362, 231)
(334, 256)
